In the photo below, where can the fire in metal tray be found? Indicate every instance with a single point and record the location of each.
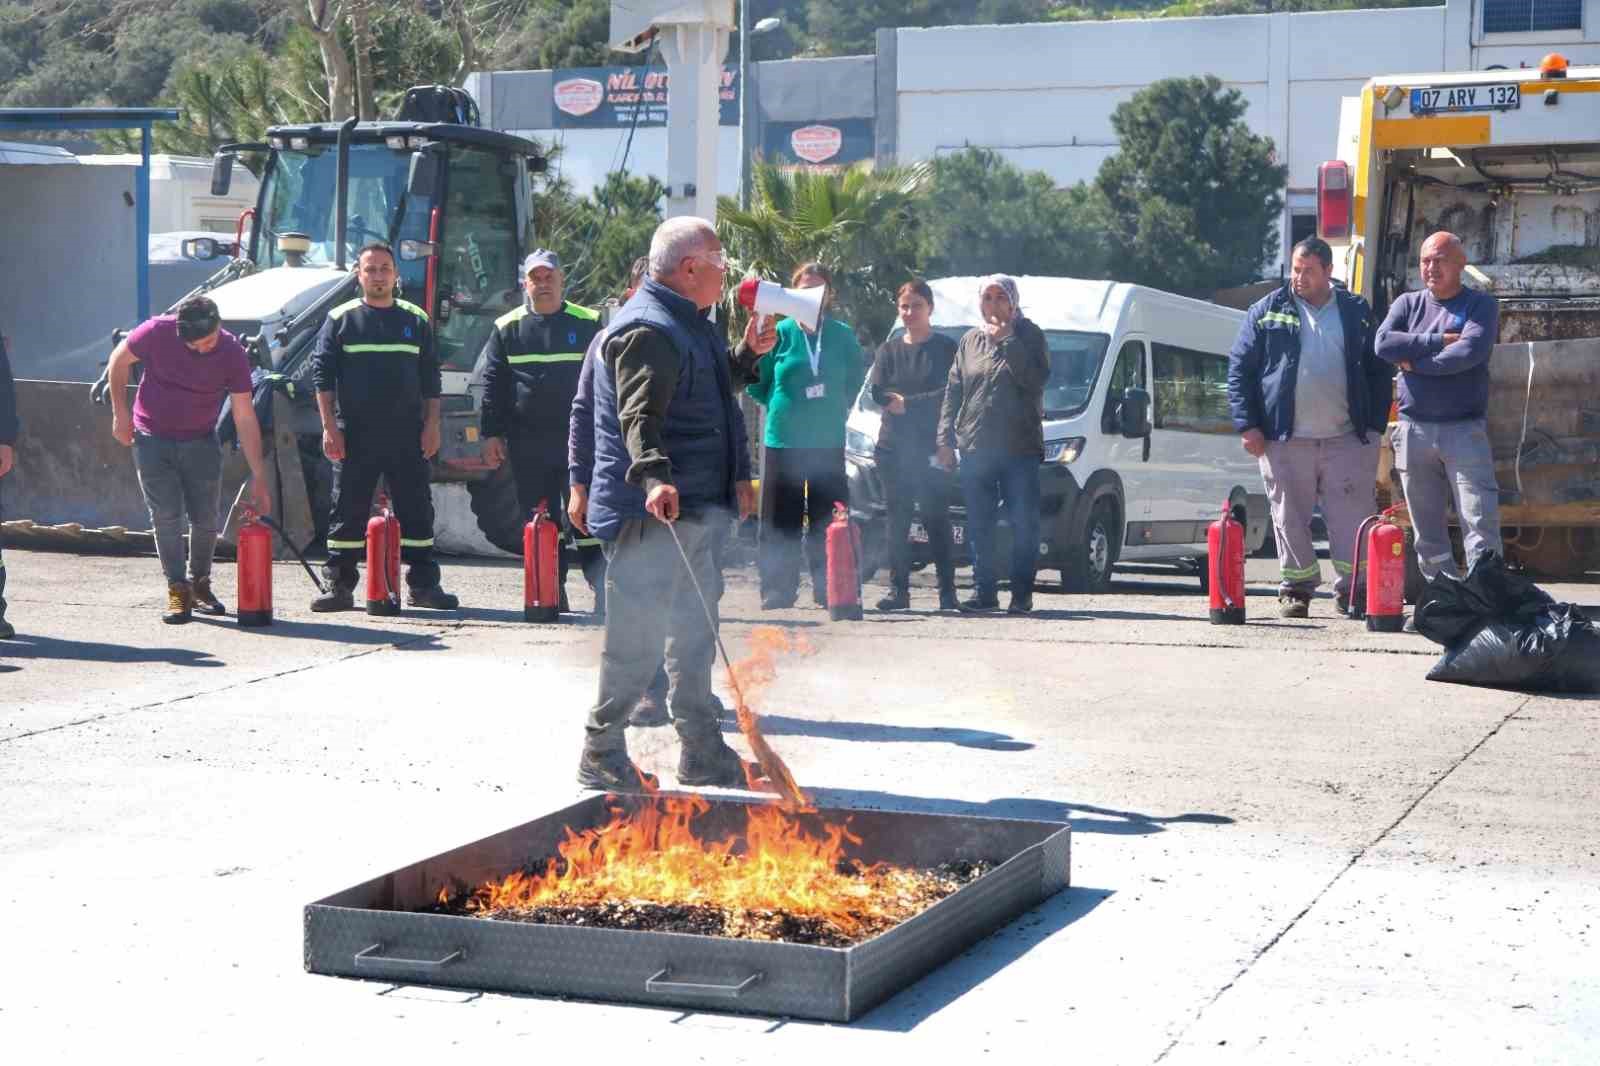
(781, 878)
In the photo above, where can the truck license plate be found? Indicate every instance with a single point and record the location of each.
(1466, 98)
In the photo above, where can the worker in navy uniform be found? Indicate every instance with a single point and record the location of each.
(377, 377)
(529, 369)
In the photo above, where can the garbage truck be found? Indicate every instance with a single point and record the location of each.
(1509, 160)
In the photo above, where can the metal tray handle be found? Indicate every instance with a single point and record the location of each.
(658, 984)
(370, 957)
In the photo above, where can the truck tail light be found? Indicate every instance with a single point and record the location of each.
(1333, 200)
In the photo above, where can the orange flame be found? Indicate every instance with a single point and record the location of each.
(749, 678)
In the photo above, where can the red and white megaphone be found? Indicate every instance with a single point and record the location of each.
(770, 298)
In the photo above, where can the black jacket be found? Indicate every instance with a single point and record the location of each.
(994, 397)
(1265, 362)
(380, 362)
(917, 372)
(531, 364)
(8, 399)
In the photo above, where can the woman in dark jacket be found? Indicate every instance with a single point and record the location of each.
(907, 380)
(994, 414)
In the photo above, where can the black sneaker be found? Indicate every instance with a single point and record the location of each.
(948, 601)
(7, 631)
(1021, 603)
(433, 598)
(711, 762)
(613, 771)
(335, 599)
(205, 601)
(979, 603)
(897, 600)
(649, 711)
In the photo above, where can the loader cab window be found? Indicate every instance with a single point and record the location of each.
(478, 265)
(301, 196)
(1531, 16)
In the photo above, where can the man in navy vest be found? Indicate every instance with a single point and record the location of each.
(670, 448)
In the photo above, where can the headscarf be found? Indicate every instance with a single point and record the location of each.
(1008, 285)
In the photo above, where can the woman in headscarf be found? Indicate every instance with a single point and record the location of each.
(907, 380)
(994, 415)
(807, 385)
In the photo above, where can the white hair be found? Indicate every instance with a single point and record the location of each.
(675, 240)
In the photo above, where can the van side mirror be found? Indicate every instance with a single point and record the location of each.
(1136, 405)
(221, 173)
(422, 181)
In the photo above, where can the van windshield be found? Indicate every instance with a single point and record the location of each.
(1075, 360)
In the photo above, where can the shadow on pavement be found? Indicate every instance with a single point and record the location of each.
(911, 1007)
(89, 651)
(335, 632)
(1098, 819)
(778, 725)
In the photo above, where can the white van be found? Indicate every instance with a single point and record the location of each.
(1140, 450)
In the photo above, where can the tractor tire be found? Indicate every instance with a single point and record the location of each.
(494, 505)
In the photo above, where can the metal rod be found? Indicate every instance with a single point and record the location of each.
(705, 605)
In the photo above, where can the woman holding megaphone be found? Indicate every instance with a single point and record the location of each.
(807, 384)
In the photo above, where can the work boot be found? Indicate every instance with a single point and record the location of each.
(180, 603)
(432, 597)
(1021, 603)
(6, 630)
(337, 598)
(204, 601)
(649, 711)
(613, 771)
(897, 600)
(979, 602)
(711, 763)
(1291, 605)
(1341, 603)
(947, 598)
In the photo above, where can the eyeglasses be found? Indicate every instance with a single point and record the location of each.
(717, 259)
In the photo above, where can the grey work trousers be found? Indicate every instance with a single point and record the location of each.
(1445, 463)
(1341, 473)
(178, 477)
(651, 606)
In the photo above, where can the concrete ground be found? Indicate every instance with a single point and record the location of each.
(1289, 847)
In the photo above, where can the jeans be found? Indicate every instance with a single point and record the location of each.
(651, 606)
(798, 485)
(986, 479)
(909, 485)
(1441, 463)
(178, 477)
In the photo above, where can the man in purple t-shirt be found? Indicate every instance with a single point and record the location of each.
(1441, 339)
(191, 365)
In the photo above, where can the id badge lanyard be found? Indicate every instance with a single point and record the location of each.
(816, 390)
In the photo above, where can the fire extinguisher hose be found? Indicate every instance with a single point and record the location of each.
(272, 524)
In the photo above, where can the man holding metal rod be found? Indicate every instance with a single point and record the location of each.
(670, 450)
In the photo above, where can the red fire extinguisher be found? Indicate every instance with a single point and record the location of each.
(844, 566)
(255, 571)
(1225, 560)
(1385, 566)
(383, 560)
(541, 567)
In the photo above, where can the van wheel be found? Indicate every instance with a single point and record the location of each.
(1091, 561)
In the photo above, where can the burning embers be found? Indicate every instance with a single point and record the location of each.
(787, 876)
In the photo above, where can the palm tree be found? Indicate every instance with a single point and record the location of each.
(858, 222)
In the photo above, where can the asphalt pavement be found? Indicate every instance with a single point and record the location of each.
(1288, 846)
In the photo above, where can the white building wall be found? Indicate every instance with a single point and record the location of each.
(589, 155)
(1042, 95)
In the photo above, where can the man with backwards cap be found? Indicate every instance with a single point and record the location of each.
(191, 365)
(530, 367)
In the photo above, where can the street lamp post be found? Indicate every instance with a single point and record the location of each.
(746, 32)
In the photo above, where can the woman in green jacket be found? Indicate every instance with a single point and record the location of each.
(807, 385)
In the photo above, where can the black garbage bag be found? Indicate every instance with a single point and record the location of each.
(1500, 629)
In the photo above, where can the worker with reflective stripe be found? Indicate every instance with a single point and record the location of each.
(529, 368)
(377, 378)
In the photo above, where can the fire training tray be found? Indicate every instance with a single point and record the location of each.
(377, 930)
